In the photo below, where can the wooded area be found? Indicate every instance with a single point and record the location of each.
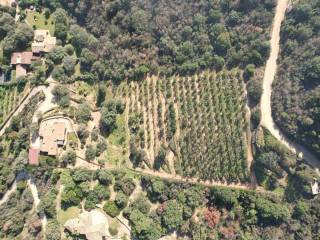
(296, 95)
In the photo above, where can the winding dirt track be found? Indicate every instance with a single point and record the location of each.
(270, 72)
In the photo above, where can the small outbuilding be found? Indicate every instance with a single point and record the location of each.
(34, 156)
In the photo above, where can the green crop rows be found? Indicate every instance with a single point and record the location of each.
(202, 119)
(9, 97)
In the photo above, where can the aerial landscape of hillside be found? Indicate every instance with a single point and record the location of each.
(160, 119)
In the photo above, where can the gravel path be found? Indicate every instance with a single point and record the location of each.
(270, 71)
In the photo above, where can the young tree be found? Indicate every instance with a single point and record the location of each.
(61, 24)
(68, 157)
(111, 208)
(104, 177)
(101, 147)
(121, 200)
(90, 153)
(172, 215)
(61, 95)
(83, 114)
(83, 133)
(69, 64)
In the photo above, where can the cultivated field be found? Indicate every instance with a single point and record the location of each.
(9, 97)
(199, 120)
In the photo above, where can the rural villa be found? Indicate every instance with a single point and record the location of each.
(43, 43)
(53, 136)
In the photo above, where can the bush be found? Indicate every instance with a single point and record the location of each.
(83, 113)
(254, 90)
(249, 71)
(102, 192)
(121, 200)
(81, 175)
(68, 157)
(91, 200)
(126, 185)
(172, 215)
(111, 208)
(272, 213)
(142, 204)
(90, 153)
(104, 177)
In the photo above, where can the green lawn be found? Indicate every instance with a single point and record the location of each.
(63, 216)
(40, 22)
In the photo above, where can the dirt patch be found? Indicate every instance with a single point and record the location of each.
(170, 159)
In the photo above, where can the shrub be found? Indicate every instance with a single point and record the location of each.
(111, 208)
(90, 153)
(126, 185)
(121, 200)
(104, 177)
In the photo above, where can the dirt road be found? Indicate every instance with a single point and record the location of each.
(36, 199)
(8, 193)
(270, 71)
(179, 178)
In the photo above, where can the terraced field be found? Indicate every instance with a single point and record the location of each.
(199, 122)
(9, 97)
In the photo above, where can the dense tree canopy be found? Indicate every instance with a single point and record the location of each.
(297, 86)
(121, 39)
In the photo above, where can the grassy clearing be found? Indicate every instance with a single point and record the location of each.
(65, 215)
(38, 21)
(115, 155)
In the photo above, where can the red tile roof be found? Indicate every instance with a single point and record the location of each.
(34, 156)
(21, 58)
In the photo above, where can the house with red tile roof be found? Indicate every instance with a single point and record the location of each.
(21, 60)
